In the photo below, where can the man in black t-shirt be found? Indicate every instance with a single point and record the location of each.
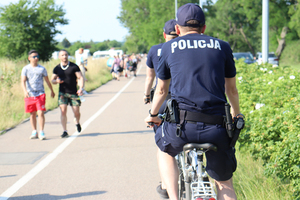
(66, 74)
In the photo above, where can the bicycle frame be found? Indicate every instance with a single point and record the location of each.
(193, 180)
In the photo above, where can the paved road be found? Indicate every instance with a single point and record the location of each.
(114, 157)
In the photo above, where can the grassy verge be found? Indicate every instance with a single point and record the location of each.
(11, 94)
(251, 183)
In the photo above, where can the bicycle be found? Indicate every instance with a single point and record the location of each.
(193, 182)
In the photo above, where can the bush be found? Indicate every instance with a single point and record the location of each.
(270, 99)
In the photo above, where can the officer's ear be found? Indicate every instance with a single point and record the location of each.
(165, 36)
(177, 29)
(203, 29)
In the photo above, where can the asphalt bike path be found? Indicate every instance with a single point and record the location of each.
(114, 157)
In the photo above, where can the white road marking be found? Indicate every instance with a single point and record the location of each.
(45, 162)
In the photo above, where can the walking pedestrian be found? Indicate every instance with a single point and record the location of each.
(35, 98)
(66, 75)
(116, 67)
(81, 61)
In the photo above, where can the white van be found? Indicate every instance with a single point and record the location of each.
(107, 54)
(101, 54)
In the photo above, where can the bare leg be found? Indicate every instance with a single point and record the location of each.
(169, 173)
(33, 120)
(76, 112)
(41, 119)
(163, 185)
(63, 117)
(225, 190)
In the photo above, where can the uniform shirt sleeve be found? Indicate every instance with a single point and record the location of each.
(230, 70)
(163, 70)
(149, 58)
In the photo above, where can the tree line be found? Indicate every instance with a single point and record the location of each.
(32, 24)
(239, 22)
(91, 45)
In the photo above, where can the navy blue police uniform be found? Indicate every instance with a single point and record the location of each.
(152, 57)
(198, 65)
(155, 52)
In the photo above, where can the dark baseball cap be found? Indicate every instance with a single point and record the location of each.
(169, 27)
(189, 12)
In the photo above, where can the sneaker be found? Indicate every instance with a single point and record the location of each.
(78, 128)
(162, 192)
(34, 135)
(64, 135)
(42, 135)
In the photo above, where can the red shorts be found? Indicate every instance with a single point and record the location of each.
(33, 104)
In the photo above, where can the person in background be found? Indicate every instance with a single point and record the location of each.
(116, 68)
(134, 64)
(81, 62)
(32, 82)
(66, 75)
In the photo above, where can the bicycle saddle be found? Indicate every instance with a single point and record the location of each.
(204, 146)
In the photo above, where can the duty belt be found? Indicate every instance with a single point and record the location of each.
(201, 117)
(198, 117)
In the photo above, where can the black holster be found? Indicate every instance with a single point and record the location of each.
(173, 115)
(172, 111)
(233, 127)
(239, 124)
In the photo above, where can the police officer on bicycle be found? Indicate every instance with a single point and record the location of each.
(152, 63)
(153, 58)
(203, 74)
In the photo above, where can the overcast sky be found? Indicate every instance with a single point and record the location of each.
(89, 20)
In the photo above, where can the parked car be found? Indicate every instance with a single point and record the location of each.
(273, 59)
(244, 55)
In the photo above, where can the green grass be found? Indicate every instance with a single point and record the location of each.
(289, 57)
(250, 182)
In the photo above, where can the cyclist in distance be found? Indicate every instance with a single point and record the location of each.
(152, 63)
(203, 73)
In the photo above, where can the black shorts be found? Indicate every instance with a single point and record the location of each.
(220, 164)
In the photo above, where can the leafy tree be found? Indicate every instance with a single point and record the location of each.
(75, 47)
(294, 23)
(236, 22)
(30, 25)
(145, 20)
(65, 43)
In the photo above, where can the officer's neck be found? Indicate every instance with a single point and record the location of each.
(189, 32)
